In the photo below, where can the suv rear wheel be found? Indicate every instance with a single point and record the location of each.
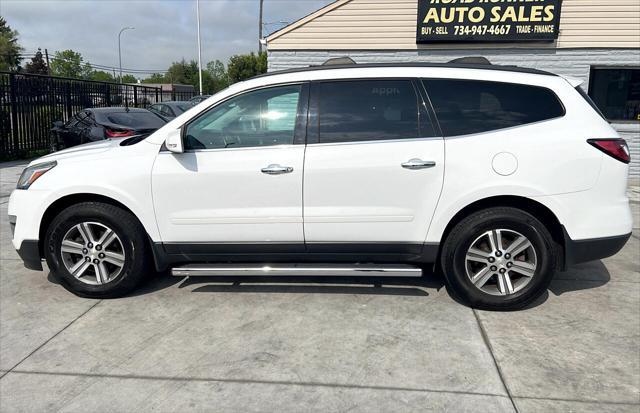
(97, 250)
(499, 259)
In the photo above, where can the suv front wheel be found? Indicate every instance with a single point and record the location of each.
(97, 250)
(499, 259)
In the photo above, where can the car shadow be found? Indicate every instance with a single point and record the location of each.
(398, 286)
(590, 275)
(584, 276)
(580, 277)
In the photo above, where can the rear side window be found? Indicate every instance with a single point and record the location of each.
(365, 110)
(471, 106)
(590, 101)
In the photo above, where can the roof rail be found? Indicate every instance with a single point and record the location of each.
(410, 64)
(344, 60)
(471, 60)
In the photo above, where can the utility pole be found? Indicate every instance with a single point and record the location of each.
(199, 46)
(260, 27)
(46, 56)
(119, 49)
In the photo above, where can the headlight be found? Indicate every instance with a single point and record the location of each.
(32, 173)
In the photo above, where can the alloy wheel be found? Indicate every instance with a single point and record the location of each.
(501, 262)
(93, 253)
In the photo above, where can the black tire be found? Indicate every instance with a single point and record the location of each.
(131, 234)
(468, 230)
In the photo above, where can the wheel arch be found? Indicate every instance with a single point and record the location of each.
(535, 208)
(66, 201)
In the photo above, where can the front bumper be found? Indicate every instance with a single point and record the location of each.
(585, 250)
(25, 213)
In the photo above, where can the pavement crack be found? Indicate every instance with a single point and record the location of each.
(487, 342)
(49, 339)
(257, 381)
(560, 399)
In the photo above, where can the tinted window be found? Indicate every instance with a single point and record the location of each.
(134, 119)
(369, 110)
(590, 101)
(616, 92)
(258, 118)
(470, 106)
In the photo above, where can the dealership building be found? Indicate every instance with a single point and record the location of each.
(597, 41)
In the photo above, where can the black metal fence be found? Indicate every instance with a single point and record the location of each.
(29, 104)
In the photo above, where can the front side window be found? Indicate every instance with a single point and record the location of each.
(365, 110)
(616, 91)
(262, 117)
(472, 106)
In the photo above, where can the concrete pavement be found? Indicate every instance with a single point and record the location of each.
(335, 344)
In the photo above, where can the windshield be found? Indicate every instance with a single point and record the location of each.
(183, 107)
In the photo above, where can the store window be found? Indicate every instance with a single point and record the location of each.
(616, 91)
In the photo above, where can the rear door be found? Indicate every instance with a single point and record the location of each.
(374, 167)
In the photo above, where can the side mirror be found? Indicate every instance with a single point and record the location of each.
(174, 141)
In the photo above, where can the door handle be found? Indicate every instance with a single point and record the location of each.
(416, 163)
(275, 169)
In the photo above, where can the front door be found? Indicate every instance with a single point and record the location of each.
(240, 178)
(373, 168)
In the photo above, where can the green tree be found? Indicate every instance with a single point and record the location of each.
(68, 63)
(37, 64)
(101, 76)
(9, 48)
(129, 79)
(243, 67)
(155, 78)
(219, 76)
(183, 72)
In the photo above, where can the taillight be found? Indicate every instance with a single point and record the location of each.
(615, 148)
(117, 133)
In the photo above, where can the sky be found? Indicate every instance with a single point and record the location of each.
(165, 30)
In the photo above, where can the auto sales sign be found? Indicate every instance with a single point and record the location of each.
(488, 20)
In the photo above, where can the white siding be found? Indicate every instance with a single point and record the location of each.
(391, 25)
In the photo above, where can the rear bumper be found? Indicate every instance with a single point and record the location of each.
(591, 249)
(29, 252)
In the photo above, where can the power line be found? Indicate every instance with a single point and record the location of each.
(100, 66)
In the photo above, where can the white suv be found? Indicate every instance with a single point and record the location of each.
(499, 175)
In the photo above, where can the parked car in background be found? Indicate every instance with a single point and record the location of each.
(197, 99)
(171, 109)
(95, 124)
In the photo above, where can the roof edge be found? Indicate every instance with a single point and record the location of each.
(303, 20)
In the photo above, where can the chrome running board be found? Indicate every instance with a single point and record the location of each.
(298, 270)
